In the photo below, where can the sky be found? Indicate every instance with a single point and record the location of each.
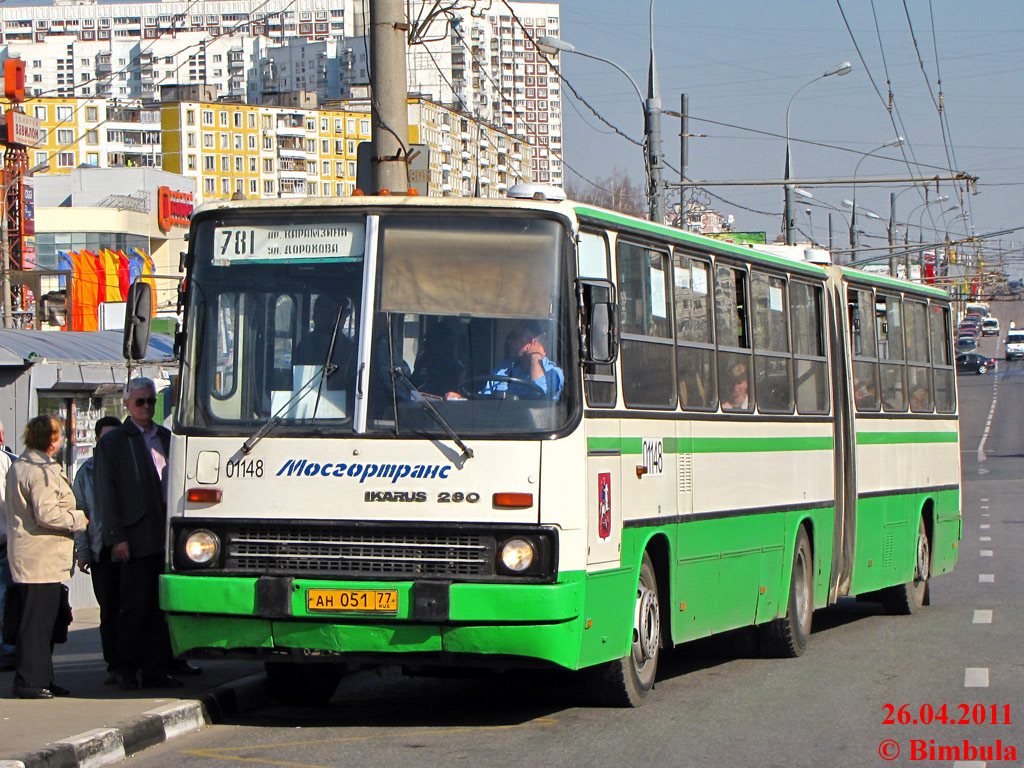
(741, 61)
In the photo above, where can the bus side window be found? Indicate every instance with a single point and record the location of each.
(891, 353)
(942, 361)
(773, 364)
(648, 364)
(695, 341)
(811, 374)
(731, 327)
(861, 306)
(918, 369)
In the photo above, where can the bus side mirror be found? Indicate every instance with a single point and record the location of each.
(602, 333)
(138, 317)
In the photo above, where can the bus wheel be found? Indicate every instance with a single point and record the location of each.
(908, 598)
(626, 682)
(787, 637)
(302, 684)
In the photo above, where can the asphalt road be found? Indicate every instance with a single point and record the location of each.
(715, 703)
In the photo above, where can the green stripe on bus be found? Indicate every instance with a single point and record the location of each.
(760, 444)
(903, 438)
(634, 445)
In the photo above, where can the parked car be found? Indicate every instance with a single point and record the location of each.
(990, 326)
(974, 363)
(966, 343)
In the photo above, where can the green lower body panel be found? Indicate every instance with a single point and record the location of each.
(536, 621)
(887, 528)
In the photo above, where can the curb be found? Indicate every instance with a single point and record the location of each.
(102, 746)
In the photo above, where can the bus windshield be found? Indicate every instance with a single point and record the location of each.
(469, 313)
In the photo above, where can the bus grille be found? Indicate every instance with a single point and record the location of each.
(341, 551)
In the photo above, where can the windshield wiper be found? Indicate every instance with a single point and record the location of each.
(320, 376)
(327, 361)
(467, 452)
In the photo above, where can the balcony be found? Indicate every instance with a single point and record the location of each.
(290, 129)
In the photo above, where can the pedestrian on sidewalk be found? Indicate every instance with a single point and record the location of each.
(6, 582)
(94, 558)
(41, 522)
(131, 494)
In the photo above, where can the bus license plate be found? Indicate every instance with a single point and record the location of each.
(370, 600)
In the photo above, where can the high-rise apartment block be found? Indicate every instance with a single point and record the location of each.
(262, 150)
(478, 61)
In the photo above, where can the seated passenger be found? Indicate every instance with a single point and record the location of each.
(736, 388)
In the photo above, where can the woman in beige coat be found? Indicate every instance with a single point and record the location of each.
(41, 522)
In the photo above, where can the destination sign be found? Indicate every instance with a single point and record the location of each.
(288, 243)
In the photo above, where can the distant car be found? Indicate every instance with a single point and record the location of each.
(1014, 343)
(990, 326)
(966, 344)
(974, 363)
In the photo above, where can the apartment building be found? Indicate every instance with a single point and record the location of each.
(104, 133)
(479, 61)
(105, 22)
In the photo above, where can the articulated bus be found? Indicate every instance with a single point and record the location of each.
(365, 469)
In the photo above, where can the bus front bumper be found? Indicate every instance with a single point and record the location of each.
(538, 621)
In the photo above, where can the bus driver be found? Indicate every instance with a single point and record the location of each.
(529, 364)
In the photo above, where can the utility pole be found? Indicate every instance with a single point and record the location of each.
(388, 91)
(652, 127)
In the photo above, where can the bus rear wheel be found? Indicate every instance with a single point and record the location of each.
(788, 636)
(626, 682)
(905, 599)
(302, 684)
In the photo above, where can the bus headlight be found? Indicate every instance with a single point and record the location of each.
(202, 547)
(517, 555)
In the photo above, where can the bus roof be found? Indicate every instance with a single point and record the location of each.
(567, 209)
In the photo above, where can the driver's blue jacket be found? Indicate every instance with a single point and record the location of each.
(551, 382)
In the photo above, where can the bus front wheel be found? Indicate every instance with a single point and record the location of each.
(302, 684)
(788, 636)
(905, 599)
(626, 682)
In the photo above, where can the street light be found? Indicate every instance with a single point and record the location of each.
(5, 258)
(652, 115)
(840, 69)
(853, 205)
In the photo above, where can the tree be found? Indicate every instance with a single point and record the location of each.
(615, 192)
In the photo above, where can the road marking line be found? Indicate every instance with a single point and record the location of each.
(988, 424)
(969, 764)
(976, 677)
(984, 501)
(986, 553)
(982, 616)
(984, 538)
(987, 578)
(984, 526)
(985, 514)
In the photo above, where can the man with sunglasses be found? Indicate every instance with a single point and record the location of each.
(131, 499)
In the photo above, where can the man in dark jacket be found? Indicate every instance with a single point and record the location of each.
(131, 499)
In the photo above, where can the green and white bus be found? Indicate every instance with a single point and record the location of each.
(727, 438)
